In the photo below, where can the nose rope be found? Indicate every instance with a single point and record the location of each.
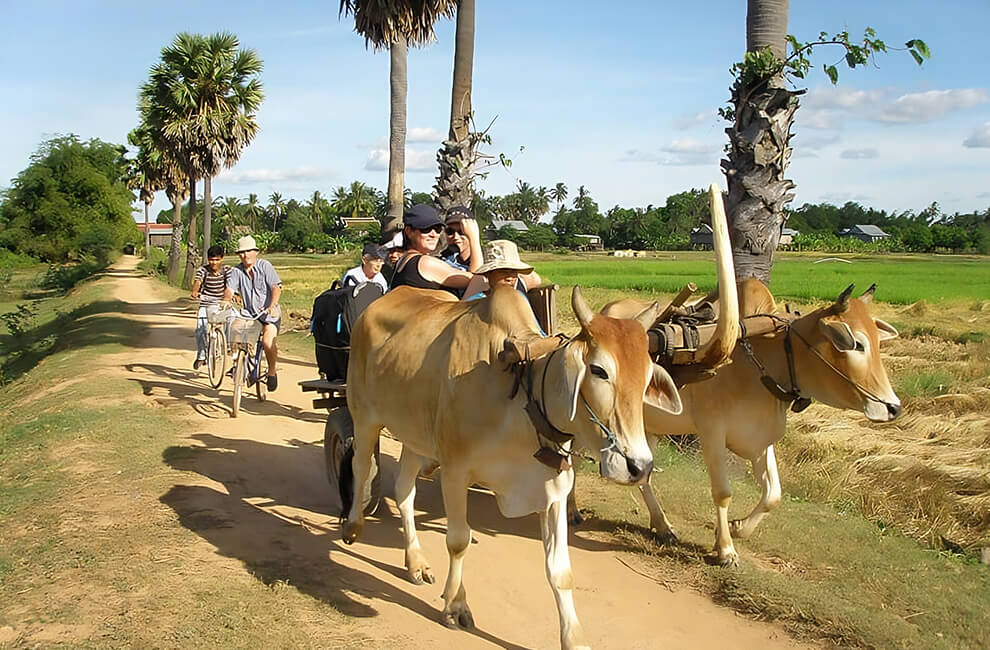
(613, 442)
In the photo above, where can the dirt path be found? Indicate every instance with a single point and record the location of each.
(261, 498)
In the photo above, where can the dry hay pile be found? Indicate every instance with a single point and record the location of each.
(927, 473)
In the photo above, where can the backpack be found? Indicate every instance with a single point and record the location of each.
(334, 313)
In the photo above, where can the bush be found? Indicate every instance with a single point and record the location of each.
(156, 263)
(11, 260)
(63, 277)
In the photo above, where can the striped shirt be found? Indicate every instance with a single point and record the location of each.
(212, 285)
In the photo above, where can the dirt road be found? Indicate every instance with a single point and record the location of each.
(257, 493)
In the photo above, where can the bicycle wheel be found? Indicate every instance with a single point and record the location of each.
(261, 385)
(216, 356)
(338, 437)
(240, 360)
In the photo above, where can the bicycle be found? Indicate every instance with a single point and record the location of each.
(217, 318)
(249, 367)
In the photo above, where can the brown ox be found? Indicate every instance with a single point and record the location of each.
(836, 360)
(427, 367)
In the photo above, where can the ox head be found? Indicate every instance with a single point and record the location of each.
(847, 337)
(607, 377)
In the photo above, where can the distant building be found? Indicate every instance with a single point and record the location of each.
(864, 232)
(787, 236)
(589, 242)
(702, 237)
(491, 232)
(161, 234)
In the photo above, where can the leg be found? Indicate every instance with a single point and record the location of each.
(574, 517)
(268, 341)
(714, 451)
(765, 470)
(553, 524)
(455, 610)
(658, 519)
(365, 440)
(410, 465)
(201, 330)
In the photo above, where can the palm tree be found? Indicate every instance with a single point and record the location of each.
(205, 94)
(355, 201)
(759, 148)
(276, 208)
(317, 206)
(228, 212)
(457, 156)
(141, 176)
(395, 24)
(253, 210)
(559, 194)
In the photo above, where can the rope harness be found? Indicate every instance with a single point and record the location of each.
(554, 444)
(797, 401)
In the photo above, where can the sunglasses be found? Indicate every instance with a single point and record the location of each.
(453, 231)
(434, 229)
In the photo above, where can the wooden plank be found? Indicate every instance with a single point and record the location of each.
(323, 386)
(329, 402)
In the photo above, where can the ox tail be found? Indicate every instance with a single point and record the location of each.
(345, 482)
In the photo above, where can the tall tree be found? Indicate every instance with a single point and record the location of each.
(396, 24)
(559, 194)
(761, 116)
(205, 93)
(276, 208)
(457, 156)
(252, 211)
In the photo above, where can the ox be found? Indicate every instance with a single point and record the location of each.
(428, 367)
(831, 355)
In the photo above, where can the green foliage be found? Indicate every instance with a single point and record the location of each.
(20, 321)
(296, 229)
(156, 263)
(758, 68)
(63, 277)
(11, 260)
(71, 201)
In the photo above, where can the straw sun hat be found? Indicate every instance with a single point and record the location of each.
(502, 254)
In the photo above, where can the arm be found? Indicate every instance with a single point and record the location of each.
(478, 284)
(532, 280)
(439, 271)
(195, 288)
(470, 228)
(276, 294)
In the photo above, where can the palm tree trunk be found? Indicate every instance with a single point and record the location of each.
(191, 241)
(207, 214)
(759, 150)
(398, 85)
(176, 248)
(455, 184)
(147, 231)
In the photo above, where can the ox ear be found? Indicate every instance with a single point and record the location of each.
(648, 316)
(574, 374)
(886, 330)
(662, 393)
(839, 334)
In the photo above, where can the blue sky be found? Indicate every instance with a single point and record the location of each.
(622, 101)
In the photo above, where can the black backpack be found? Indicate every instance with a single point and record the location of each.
(334, 313)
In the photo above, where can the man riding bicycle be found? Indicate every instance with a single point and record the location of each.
(257, 283)
(208, 288)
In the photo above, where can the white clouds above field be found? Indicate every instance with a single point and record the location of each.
(416, 161)
(859, 154)
(979, 138)
(830, 108)
(252, 176)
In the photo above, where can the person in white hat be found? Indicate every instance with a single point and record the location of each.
(257, 283)
(502, 266)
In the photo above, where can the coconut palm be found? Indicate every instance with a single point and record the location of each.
(358, 200)
(317, 207)
(457, 156)
(253, 210)
(276, 208)
(559, 194)
(395, 24)
(142, 176)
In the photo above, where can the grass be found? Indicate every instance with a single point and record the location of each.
(900, 279)
(823, 572)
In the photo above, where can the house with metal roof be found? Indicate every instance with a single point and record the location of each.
(864, 232)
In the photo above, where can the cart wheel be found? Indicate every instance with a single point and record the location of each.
(338, 436)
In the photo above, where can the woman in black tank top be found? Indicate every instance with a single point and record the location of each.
(417, 268)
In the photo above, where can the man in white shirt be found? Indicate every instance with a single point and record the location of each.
(372, 259)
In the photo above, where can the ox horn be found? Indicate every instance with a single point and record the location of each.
(868, 294)
(580, 307)
(842, 302)
(723, 341)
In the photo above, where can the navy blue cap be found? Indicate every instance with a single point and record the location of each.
(458, 214)
(374, 250)
(422, 216)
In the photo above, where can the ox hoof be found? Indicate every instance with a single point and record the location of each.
(350, 532)
(422, 575)
(738, 530)
(574, 518)
(459, 617)
(666, 537)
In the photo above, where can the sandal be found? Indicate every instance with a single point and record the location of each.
(272, 382)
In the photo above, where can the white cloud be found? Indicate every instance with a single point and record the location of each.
(303, 173)
(424, 134)
(927, 106)
(688, 146)
(686, 121)
(416, 161)
(844, 99)
(814, 142)
(686, 151)
(979, 138)
(859, 154)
